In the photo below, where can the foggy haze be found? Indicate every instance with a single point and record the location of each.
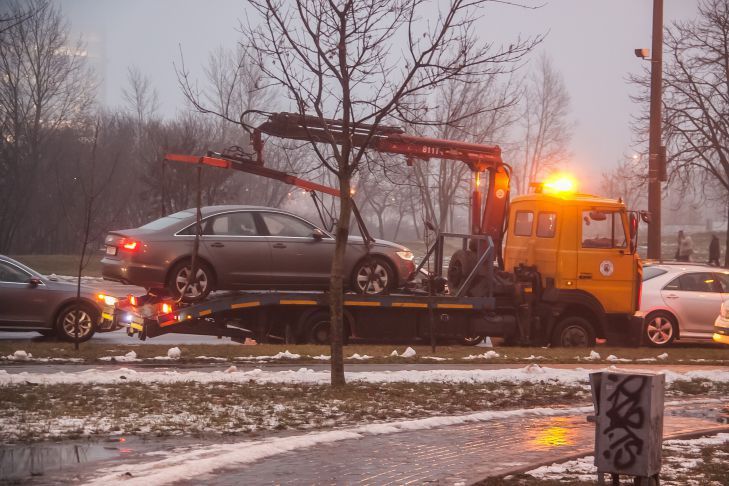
(590, 42)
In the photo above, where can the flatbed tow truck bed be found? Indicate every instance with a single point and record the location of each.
(299, 317)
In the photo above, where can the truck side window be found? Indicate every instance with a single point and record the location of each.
(602, 229)
(546, 225)
(523, 223)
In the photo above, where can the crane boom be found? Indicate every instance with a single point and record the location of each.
(488, 219)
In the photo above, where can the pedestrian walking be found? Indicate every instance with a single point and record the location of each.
(685, 247)
(714, 251)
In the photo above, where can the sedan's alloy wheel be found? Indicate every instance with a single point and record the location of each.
(85, 323)
(195, 289)
(372, 279)
(660, 330)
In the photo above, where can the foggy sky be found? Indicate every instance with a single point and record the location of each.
(591, 42)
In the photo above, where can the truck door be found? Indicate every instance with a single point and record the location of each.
(605, 266)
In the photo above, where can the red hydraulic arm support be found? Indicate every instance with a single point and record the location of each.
(252, 167)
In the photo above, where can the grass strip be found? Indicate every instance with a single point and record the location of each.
(380, 353)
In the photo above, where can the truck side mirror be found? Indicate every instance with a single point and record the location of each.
(645, 216)
(633, 226)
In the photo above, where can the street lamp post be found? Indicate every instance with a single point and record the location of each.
(656, 160)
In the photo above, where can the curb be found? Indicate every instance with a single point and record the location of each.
(682, 436)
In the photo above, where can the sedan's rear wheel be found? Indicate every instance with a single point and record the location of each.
(660, 329)
(82, 315)
(373, 276)
(194, 290)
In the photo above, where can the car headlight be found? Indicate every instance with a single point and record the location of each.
(405, 255)
(107, 299)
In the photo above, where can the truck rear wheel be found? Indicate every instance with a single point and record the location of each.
(317, 328)
(573, 331)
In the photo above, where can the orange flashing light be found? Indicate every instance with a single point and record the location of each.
(166, 308)
(560, 184)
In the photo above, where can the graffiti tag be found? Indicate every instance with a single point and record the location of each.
(626, 417)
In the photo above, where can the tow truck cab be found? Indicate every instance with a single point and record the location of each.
(584, 249)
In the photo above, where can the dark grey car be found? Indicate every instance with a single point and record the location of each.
(31, 302)
(247, 247)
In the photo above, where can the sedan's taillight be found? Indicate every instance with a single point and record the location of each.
(130, 245)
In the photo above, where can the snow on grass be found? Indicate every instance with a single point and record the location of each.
(130, 357)
(309, 376)
(174, 353)
(486, 355)
(358, 357)
(280, 355)
(408, 353)
(178, 466)
(24, 356)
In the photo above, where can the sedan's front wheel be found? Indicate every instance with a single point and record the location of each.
(81, 315)
(373, 276)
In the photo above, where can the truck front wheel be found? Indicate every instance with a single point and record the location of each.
(573, 331)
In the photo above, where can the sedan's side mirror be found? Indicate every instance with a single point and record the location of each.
(35, 281)
(317, 234)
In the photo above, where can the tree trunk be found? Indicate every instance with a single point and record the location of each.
(726, 248)
(336, 284)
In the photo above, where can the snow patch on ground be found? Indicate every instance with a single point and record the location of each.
(358, 357)
(531, 374)
(486, 355)
(174, 353)
(130, 357)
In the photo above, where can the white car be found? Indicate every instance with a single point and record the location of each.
(721, 325)
(681, 301)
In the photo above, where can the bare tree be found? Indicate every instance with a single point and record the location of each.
(45, 87)
(366, 63)
(479, 111)
(545, 124)
(624, 181)
(696, 100)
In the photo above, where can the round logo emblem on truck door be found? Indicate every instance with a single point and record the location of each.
(606, 268)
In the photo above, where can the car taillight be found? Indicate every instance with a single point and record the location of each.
(132, 299)
(166, 308)
(130, 245)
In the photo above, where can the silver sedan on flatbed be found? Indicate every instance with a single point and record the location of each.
(247, 247)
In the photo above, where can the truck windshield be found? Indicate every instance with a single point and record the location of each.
(603, 229)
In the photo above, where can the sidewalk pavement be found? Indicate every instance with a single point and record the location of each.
(461, 454)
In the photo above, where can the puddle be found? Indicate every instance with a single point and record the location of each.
(24, 461)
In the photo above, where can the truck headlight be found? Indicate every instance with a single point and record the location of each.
(405, 255)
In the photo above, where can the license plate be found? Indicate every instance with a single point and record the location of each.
(111, 250)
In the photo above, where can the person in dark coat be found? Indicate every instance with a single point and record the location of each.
(714, 251)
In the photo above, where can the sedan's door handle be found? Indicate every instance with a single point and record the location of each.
(672, 296)
(279, 245)
(217, 245)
